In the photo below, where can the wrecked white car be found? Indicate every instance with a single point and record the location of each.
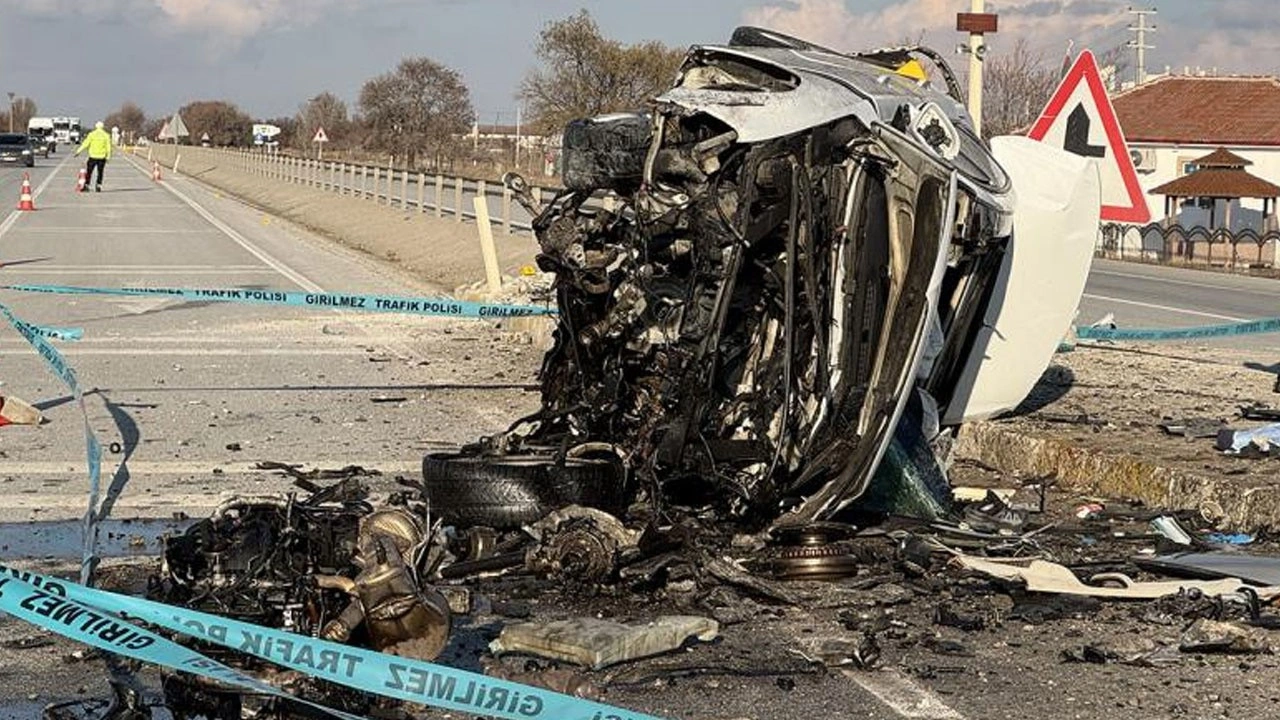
(795, 252)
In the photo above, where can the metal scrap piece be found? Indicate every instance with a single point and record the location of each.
(597, 643)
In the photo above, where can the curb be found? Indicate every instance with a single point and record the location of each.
(1223, 500)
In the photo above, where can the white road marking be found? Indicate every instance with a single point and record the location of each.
(109, 230)
(15, 270)
(14, 215)
(907, 698)
(186, 467)
(1214, 286)
(141, 352)
(298, 278)
(294, 276)
(136, 268)
(1166, 308)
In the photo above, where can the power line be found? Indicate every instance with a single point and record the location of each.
(1139, 44)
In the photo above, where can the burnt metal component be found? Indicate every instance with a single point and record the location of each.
(523, 194)
(402, 618)
(580, 544)
(497, 563)
(816, 551)
(324, 564)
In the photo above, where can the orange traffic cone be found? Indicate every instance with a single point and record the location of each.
(82, 180)
(155, 170)
(18, 412)
(25, 202)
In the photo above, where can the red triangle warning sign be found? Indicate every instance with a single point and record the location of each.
(1079, 119)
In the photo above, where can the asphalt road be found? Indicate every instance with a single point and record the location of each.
(193, 394)
(1152, 296)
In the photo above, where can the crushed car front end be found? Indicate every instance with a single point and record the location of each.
(755, 281)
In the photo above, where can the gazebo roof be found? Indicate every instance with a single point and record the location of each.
(1218, 182)
(1222, 158)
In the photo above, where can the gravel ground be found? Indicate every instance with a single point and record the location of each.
(1114, 398)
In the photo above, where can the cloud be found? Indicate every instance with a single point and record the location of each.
(1046, 24)
(222, 21)
(1236, 36)
(242, 18)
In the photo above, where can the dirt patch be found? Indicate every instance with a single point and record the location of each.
(1113, 399)
(442, 251)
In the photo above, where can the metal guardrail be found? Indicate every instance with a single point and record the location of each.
(443, 195)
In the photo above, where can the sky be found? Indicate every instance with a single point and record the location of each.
(86, 57)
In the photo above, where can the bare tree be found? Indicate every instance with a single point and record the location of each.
(327, 111)
(129, 118)
(586, 74)
(24, 108)
(421, 105)
(225, 123)
(1018, 84)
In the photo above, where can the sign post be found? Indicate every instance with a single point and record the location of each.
(320, 139)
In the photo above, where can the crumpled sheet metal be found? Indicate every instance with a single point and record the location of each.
(1044, 576)
(597, 644)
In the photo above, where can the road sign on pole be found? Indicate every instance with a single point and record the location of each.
(1080, 119)
(320, 139)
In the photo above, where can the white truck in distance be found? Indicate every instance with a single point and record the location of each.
(41, 128)
(66, 129)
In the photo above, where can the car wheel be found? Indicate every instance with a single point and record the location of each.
(513, 490)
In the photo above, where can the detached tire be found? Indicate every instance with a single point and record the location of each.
(510, 491)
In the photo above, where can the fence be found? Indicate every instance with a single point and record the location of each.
(408, 190)
(1178, 245)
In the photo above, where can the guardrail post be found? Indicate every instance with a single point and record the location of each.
(422, 191)
(404, 190)
(439, 195)
(364, 181)
(506, 210)
(487, 248)
(391, 176)
(457, 199)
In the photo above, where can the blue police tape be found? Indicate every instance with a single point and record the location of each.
(388, 675)
(93, 450)
(1249, 327)
(42, 602)
(58, 333)
(442, 306)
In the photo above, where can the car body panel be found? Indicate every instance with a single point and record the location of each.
(1055, 227)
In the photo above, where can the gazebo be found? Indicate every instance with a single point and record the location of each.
(1220, 175)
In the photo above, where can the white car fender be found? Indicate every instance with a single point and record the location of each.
(1057, 205)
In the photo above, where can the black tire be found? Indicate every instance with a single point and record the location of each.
(510, 491)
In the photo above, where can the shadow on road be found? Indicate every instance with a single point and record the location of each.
(1055, 383)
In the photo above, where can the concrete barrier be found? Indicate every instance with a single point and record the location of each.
(1226, 500)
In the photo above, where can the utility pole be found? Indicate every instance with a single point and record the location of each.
(977, 23)
(1139, 43)
(11, 111)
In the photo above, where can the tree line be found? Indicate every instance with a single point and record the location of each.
(421, 110)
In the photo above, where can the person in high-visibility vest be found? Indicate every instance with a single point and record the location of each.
(98, 143)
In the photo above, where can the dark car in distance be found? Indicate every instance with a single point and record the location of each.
(17, 148)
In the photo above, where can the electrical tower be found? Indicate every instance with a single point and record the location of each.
(1139, 43)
